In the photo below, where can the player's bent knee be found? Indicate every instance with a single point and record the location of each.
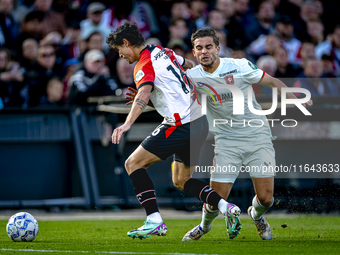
(131, 165)
(127, 166)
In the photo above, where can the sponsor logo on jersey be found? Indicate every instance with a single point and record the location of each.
(160, 54)
(212, 97)
(139, 75)
(224, 74)
(229, 79)
(223, 96)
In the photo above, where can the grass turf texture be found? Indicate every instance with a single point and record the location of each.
(303, 235)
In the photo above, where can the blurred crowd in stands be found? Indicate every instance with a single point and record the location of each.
(53, 53)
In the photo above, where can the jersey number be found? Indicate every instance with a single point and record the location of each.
(183, 79)
(157, 130)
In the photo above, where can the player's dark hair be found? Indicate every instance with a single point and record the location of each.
(129, 31)
(204, 32)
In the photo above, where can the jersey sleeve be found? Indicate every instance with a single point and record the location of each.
(251, 74)
(144, 74)
(179, 58)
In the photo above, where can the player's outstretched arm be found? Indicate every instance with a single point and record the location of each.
(140, 101)
(272, 82)
(188, 64)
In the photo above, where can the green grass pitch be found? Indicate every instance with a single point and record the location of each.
(303, 235)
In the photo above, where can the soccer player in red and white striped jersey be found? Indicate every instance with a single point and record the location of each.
(162, 83)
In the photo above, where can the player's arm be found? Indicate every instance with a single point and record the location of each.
(272, 82)
(141, 100)
(188, 64)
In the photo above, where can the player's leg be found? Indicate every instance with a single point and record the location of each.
(263, 200)
(264, 189)
(227, 163)
(182, 180)
(263, 157)
(157, 146)
(136, 166)
(209, 212)
(222, 188)
(181, 176)
(187, 157)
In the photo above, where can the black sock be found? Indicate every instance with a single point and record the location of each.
(202, 191)
(144, 189)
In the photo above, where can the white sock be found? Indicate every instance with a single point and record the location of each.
(208, 216)
(222, 205)
(155, 217)
(258, 209)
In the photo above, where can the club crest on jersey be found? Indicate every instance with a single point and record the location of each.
(139, 75)
(229, 79)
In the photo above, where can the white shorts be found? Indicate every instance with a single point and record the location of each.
(257, 159)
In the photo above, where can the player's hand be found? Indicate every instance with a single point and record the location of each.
(309, 103)
(131, 95)
(118, 132)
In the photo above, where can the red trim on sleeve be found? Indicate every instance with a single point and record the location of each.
(146, 83)
(262, 76)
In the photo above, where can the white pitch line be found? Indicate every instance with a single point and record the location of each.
(101, 252)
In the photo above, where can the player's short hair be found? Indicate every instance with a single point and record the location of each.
(204, 32)
(129, 31)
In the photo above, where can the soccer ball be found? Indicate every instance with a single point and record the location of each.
(22, 227)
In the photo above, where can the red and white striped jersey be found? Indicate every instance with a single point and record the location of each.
(172, 94)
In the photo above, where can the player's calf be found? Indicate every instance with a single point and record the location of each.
(260, 208)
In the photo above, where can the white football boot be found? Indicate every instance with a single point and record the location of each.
(262, 226)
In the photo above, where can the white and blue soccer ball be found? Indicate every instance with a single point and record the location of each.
(22, 227)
